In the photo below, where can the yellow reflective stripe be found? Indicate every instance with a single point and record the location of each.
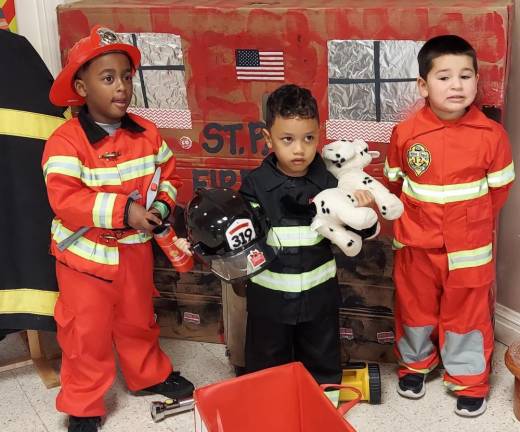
(295, 236)
(162, 208)
(454, 387)
(397, 244)
(470, 258)
(254, 204)
(164, 154)
(502, 177)
(28, 124)
(442, 194)
(67, 113)
(85, 248)
(169, 189)
(103, 209)
(423, 371)
(296, 282)
(392, 174)
(66, 165)
(136, 168)
(140, 237)
(28, 301)
(95, 177)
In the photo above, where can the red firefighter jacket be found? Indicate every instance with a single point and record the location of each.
(90, 176)
(454, 178)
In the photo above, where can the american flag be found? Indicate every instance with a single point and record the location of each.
(252, 64)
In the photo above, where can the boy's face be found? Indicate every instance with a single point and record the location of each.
(293, 141)
(450, 86)
(106, 85)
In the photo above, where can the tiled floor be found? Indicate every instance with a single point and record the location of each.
(27, 406)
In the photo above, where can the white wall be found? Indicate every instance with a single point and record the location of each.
(37, 21)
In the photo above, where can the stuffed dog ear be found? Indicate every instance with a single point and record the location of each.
(338, 150)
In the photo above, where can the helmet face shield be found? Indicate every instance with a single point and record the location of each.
(240, 265)
(230, 235)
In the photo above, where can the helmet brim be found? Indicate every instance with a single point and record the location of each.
(239, 266)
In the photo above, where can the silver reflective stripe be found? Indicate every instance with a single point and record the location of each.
(103, 209)
(296, 282)
(415, 345)
(442, 194)
(139, 237)
(470, 258)
(392, 174)
(463, 353)
(502, 177)
(100, 176)
(296, 236)
(136, 168)
(85, 248)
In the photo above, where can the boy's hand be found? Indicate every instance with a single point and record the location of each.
(141, 219)
(183, 244)
(364, 198)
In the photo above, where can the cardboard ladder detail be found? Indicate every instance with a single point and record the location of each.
(279, 399)
(37, 358)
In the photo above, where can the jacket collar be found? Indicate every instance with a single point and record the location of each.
(426, 121)
(316, 174)
(96, 133)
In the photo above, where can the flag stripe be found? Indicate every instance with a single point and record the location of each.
(270, 78)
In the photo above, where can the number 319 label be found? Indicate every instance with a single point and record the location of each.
(240, 233)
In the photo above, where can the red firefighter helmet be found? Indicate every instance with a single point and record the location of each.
(100, 41)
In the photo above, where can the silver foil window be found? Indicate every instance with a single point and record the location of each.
(160, 80)
(372, 80)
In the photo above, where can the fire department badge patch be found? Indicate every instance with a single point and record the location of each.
(419, 158)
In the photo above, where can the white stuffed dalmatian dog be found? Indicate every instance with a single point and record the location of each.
(337, 207)
(346, 160)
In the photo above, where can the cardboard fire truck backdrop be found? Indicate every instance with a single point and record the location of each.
(207, 69)
(208, 65)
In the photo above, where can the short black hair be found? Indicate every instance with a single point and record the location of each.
(443, 45)
(289, 101)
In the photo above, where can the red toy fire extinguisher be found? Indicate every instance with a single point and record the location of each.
(165, 237)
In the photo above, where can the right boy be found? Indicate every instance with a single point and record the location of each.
(455, 169)
(293, 305)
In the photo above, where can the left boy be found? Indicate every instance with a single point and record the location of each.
(98, 168)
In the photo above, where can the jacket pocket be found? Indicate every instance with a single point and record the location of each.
(479, 220)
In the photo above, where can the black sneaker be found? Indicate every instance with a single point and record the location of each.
(173, 387)
(468, 406)
(84, 424)
(412, 386)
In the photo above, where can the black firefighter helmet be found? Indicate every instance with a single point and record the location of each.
(229, 234)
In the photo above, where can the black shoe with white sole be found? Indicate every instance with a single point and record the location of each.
(173, 387)
(468, 406)
(412, 386)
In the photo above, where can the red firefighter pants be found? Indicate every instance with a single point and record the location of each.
(92, 317)
(434, 320)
